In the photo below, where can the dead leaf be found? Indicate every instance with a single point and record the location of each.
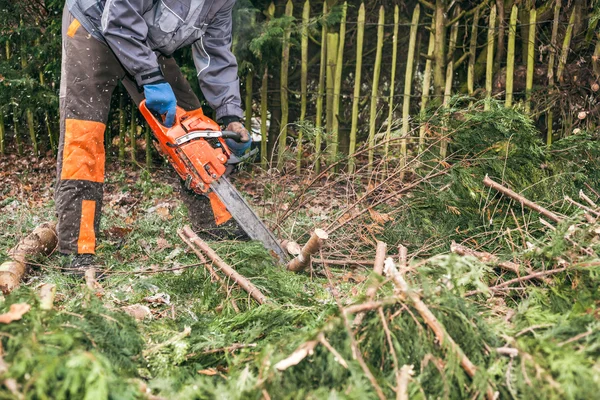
(117, 232)
(351, 277)
(208, 371)
(378, 217)
(159, 298)
(15, 313)
(162, 244)
(137, 311)
(163, 212)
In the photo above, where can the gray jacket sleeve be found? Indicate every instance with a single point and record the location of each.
(217, 67)
(125, 31)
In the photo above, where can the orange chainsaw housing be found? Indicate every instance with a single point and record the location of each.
(197, 161)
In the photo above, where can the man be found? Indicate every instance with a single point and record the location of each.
(105, 41)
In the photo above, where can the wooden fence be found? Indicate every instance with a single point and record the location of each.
(439, 73)
(438, 48)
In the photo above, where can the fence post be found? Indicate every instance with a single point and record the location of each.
(449, 78)
(510, 57)
(375, 87)
(489, 66)
(18, 140)
(132, 133)
(562, 60)
(248, 100)
(530, 58)
(332, 46)
(388, 133)
(426, 85)
(408, 81)
(122, 128)
(360, 33)
(551, 60)
(321, 93)
(285, 62)
(148, 139)
(440, 53)
(472, 54)
(46, 117)
(337, 86)
(303, 81)
(263, 118)
(2, 131)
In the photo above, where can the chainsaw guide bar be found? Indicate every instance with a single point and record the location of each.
(196, 149)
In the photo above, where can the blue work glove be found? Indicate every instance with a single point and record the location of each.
(160, 99)
(238, 148)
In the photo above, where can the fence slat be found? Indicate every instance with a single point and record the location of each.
(530, 58)
(472, 54)
(303, 80)
(285, 63)
(388, 132)
(551, 60)
(332, 47)
(122, 128)
(408, 82)
(426, 85)
(375, 87)
(321, 94)
(510, 56)
(562, 60)
(263, 118)
(132, 132)
(449, 77)
(2, 132)
(360, 33)
(248, 101)
(489, 67)
(337, 87)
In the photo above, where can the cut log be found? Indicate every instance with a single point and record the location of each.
(313, 245)
(195, 241)
(47, 292)
(42, 241)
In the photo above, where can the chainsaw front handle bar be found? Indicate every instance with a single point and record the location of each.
(232, 135)
(156, 123)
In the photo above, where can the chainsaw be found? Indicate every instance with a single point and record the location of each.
(195, 146)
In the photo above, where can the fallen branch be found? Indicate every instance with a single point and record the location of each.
(41, 241)
(380, 253)
(337, 356)
(356, 353)
(185, 333)
(484, 257)
(227, 349)
(581, 206)
(209, 267)
(515, 196)
(194, 240)
(303, 351)
(369, 306)
(405, 373)
(431, 321)
(342, 262)
(529, 277)
(311, 247)
(585, 198)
